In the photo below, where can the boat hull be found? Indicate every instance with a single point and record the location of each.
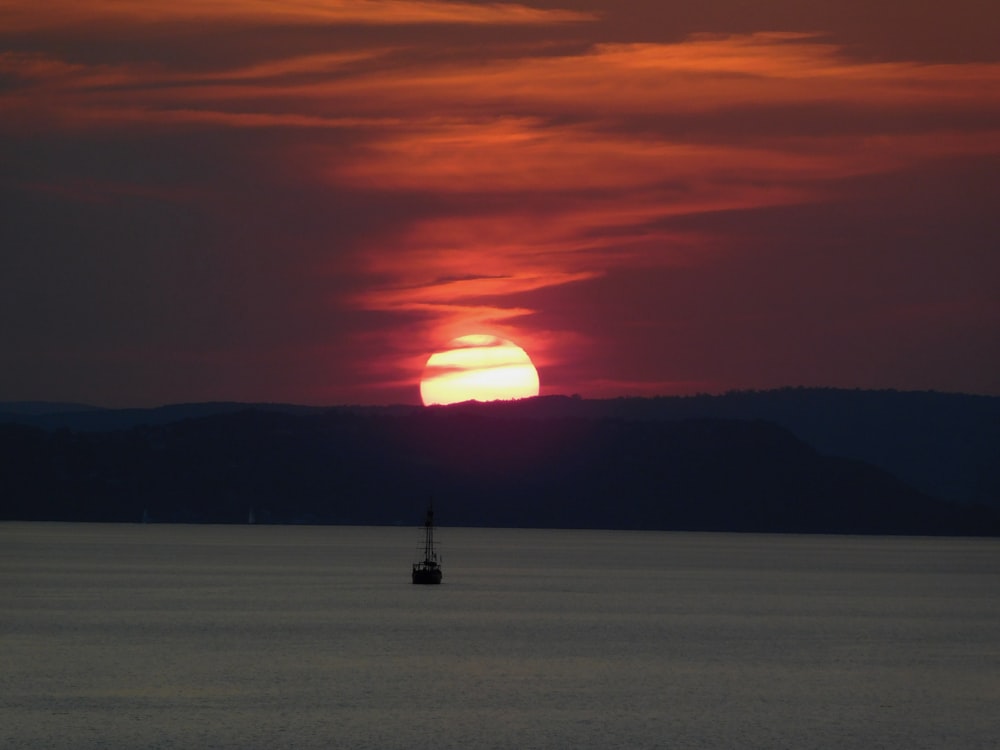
(427, 575)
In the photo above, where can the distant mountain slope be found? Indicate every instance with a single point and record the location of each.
(490, 468)
(945, 445)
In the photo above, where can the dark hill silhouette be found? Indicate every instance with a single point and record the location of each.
(945, 445)
(485, 465)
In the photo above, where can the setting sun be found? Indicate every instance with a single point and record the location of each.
(478, 368)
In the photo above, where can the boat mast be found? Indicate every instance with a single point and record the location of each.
(429, 535)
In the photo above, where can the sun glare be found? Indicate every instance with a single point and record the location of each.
(478, 368)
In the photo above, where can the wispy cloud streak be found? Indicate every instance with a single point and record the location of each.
(60, 13)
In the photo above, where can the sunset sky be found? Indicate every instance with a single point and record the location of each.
(300, 201)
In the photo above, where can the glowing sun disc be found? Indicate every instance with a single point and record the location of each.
(478, 368)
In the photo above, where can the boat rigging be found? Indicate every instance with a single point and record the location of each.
(428, 570)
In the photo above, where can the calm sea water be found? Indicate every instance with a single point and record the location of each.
(155, 636)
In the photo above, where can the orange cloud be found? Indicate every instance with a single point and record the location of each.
(549, 167)
(27, 15)
(700, 74)
(580, 175)
(532, 155)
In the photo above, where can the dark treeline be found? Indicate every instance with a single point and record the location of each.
(488, 465)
